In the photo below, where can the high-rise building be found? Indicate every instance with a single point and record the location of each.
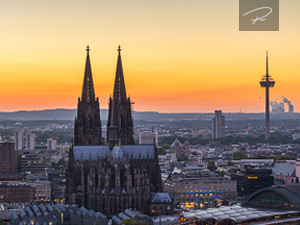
(218, 125)
(30, 139)
(51, 144)
(147, 138)
(19, 139)
(7, 158)
(113, 176)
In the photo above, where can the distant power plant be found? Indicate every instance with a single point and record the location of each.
(278, 105)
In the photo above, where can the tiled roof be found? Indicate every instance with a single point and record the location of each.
(55, 213)
(161, 197)
(101, 152)
(87, 152)
(176, 141)
(234, 213)
(284, 169)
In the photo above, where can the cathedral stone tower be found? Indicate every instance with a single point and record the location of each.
(109, 178)
(119, 124)
(87, 130)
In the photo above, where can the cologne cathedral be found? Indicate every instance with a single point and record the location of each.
(113, 175)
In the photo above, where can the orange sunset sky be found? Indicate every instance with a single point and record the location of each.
(178, 56)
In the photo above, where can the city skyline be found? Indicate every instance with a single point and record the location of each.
(177, 57)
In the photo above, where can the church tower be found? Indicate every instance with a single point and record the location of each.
(104, 177)
(87, 130)
(119, 124)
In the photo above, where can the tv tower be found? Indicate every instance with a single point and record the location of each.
(267, 82)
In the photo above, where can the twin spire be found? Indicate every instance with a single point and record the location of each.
(87, 129)
(88, 92)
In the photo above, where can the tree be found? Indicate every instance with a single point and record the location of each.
(240, 155)
(145, 208)
(221, 173)
(131, 221)
(211, 165)
(161, 151)
(59, 165)
(139, 222)
(230, 163)
(165, 147)
(128, 221)
(284, 157)
(181, 158)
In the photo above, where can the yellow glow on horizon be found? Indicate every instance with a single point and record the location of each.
(177, 56)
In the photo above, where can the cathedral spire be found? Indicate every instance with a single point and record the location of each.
(88, 93)
(87, 129)
(119, 89)
(119, 123)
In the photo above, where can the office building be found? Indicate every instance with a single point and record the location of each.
(7, 158)
(250, 179)
(34, 162)
(218, 125)
(194, 191)
(19, 139)
(147, 138)
(30, 140)
(16, 192)
(51, 144)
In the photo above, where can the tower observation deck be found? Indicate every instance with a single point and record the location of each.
(267, 82)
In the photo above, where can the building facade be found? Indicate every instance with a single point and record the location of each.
(147, 138)
(285, 172)
(34, 162)
(109, 177)
(277, 197)
(30, 141)
(251, 179)
(218, 125)
(193, 191)
(161, 204)
(19, 139)
(51, 144)
(7, 158)
(17, 192)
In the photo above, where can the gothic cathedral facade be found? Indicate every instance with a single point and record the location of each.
(113, 175)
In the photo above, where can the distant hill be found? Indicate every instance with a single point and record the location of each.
(47, 114)
(69, 114)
